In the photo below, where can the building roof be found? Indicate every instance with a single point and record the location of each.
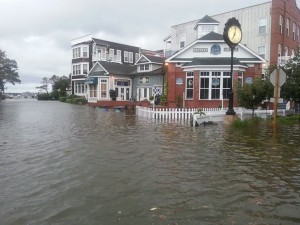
(110, 44)
(117, 68)
(212, 36)
(207, 19)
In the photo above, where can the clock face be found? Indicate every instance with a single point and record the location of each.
(234, 34)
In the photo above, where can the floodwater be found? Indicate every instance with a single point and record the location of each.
(69, 164)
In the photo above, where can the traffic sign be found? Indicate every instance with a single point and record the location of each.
(282, 77)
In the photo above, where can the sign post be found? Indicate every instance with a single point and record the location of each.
(277, 78)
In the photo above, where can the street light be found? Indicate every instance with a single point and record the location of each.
(232, 36)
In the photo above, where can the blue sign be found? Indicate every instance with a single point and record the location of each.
(215, 50)
(179, 81)
(249, 80)
(91, 80)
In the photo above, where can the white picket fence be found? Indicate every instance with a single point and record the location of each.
(210, 114)
(182, 114)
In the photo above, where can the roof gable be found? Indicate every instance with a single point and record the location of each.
(212, 45)
(207, 20)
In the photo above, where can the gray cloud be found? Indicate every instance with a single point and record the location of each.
(37, 33)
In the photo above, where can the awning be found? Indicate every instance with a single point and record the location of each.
(91, 80)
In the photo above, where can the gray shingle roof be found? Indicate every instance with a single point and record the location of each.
(116, 68)
(212, 36)
(207, 19)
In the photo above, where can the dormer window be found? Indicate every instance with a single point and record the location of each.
(144, 67)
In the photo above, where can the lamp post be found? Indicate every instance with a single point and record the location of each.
(232, 36)
(230, 110)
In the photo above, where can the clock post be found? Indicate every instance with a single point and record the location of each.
(232, 36)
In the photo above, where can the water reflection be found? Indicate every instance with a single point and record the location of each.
(68, 164)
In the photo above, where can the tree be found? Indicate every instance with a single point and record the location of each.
(251, 95)
(290, 90)
(8, 71)
(60, 85)
(45, 84)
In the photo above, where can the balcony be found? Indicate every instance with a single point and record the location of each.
(283, 60)
(106, 57)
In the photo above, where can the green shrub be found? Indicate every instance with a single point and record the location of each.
(68, 100)
(79, 100)
(289, 120)
(44, 96)
(246, 123)
(62, 99)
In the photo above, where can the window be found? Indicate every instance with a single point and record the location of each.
(125, 56)
(280, 24)
(213, 84)
(262, 51)
(293, 53)
(93, 91)
(103, 88)
(76, 69)
(287, 27)
(119, 55)
(111, 53)
(207, 28)
(189, 85)
(84, 68)
(298, 32)
(262, 26)
(145, 67)
(84, 52)
(182, 41)
(204, 85)
(286, 51)
(279, 50)
(130, 57)
(294, 31)
(79, 88)
(137, 56)
(76, 52)
(103, 53)
(226, 83)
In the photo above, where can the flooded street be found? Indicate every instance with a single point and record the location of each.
(70, 164)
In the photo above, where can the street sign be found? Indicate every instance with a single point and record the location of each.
(279, 100)
(282, 77)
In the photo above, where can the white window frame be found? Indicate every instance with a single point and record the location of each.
(287, 26)
(125, 56)
(130, 57)
(119, 55)
(286, 51)
(111, 53)
(103, 81)
(221, 75)
(144, 67)
(298, 32)
(294, 31)
(189, 85)
(85, 52)
(79, 87)
(137, 56)
(280, 24)
(279, 50)
(182, 40)
(262, 29)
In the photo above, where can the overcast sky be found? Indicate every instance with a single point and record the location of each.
(37, 33)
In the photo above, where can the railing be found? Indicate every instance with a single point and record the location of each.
(182, 114)
(208, 114)
(283, 60)
(107, 57)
